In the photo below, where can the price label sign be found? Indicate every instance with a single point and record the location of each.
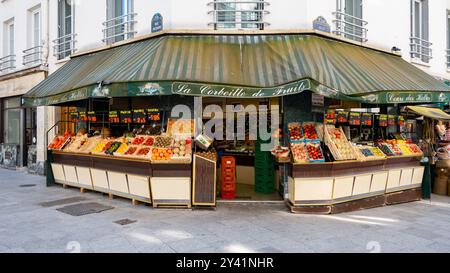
(113, 117)
(83, 116)
(342, 117)
(74, 116)
(401, 121)
(391, 120)
(354, 118)
(383, 120)
(125, 116)
(366, 119)
(91, 116)
(154, 115)
(330, 117)
(139, 116)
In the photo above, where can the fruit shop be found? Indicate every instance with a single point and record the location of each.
(343, 140)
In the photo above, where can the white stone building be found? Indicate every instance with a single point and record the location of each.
(38, 36)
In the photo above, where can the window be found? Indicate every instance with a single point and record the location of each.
(7, 62)
(349, 20)
(239, 14)
(120, 21)
(33, 55)
(419, 41)
(65, 44)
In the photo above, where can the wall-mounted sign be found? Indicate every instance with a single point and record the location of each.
(354, 118)
(125, 117)
(330, 117)
(401, 121)
(74, 116)
(157, 22)
(342, 116)
(153, 115)
(391, 120)
(113, 117)
(383, 120)
(366, 119)
(91, 116)
(321, 24)
(83, 116)
(139, 116)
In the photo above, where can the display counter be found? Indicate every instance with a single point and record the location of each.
(137, 179)
(350, 185)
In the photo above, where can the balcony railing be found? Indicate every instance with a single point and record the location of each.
(350, 27)
(32, 56)
(64, 46)
(238, 14)
(421, 49)
(7, 63)
(119, 28)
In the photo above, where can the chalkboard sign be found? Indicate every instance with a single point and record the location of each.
(342, 116)
(91, 116)
(113, 117)
(391, 120)
(354, 118)
(154, 115)
(383, 120)
(74, 116)
(83, 116)
(139, 116)
(125, 116)
(157, 22)
(366, 119)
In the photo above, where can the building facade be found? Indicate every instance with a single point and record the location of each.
(39, 36)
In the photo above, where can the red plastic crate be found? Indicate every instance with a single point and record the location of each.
(228, 171)
(228, 194)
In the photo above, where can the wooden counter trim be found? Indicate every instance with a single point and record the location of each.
(171, 170)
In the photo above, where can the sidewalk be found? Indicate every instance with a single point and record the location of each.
(27, 226)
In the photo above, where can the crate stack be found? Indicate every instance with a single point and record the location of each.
(228, 178)
(264, 170)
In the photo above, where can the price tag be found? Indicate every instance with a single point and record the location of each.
(366, 119)
(330, 117)
(383, 120)
(113, 117)
(342, 116)
(354, 118)
(139, 116)
(154, 115)
(91, 116)
(125, 116)
(391, 120)
(330, 121)
(83, 116)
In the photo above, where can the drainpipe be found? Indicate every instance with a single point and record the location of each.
(47, 35)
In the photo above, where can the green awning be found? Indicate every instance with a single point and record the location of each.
(238, 66)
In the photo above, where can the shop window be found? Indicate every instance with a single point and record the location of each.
(239, 14)
(419, 40)
(120, 21)
(11, 120)
(64, 45)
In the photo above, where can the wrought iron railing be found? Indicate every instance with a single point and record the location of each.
(119, 28)
(350, 27)
(64, 46)
(7, 63)
(32, 56)
(421, 49)
(238, 14)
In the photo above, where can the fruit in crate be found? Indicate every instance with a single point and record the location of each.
(208, 155)
(107, 146)
(314, 151)
(149, 141)
(122, 148)
(143, 151)
(58, 142)
(414, 149)
(138, 140)
(99, 147)
(309, 131)
(161, 154)
(131, 150)
(395, 149)
(299, 152)
(366, 152)
(280, 152)
(386, 149)
(404, 149)
(295, 131)
(114, 146)
(162, 142)
(182, 148)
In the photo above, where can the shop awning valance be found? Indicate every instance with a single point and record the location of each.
(249, 65)
(429, 112)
